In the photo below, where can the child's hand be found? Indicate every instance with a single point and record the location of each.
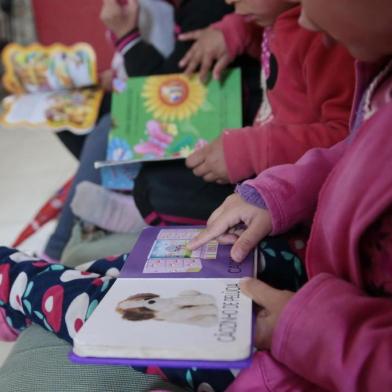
(120, 18)
(106, 79)
(209, 48)
(272, 302)
(209, 162)
(224, 222)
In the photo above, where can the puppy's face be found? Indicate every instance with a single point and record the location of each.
(190, 307)
(138, 307)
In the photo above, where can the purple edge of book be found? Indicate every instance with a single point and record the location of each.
(133, 268)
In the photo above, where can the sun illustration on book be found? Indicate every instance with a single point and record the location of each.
(173, 97)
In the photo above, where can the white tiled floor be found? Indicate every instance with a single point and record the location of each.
(33, 165)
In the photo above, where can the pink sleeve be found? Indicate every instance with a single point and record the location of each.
(240, 37)
(250, 150)
(290, 191)
(345, 334)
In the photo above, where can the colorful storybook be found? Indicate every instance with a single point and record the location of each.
(166, 117)
(172, 307)
(51, 87)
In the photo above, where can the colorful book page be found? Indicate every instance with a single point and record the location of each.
(75, 110)
(51, 87)
(162, 251)
(168, 116)
(38, 68)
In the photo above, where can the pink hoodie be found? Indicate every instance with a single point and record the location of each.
(335, 334)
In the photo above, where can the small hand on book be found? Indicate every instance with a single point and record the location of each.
(223, 225)
(209, 162)
(271, 303)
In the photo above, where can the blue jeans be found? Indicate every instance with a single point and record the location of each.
(94, 149)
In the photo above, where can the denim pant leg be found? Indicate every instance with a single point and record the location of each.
(94, 150)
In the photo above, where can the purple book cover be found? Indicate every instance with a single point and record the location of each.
(161, 253)
(161, 362)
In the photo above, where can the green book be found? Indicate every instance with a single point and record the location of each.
(167, 117)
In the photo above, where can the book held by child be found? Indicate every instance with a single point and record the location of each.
(172, 307)
(52, 87)
(165, 117)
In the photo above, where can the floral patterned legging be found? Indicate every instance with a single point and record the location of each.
(60, 299)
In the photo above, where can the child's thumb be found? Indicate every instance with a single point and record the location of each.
(260, 292)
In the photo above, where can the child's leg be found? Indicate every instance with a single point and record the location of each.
(168, 193)
(282, 265)
(94, 150)
(58, 298)
(109, 210)
(193, 378)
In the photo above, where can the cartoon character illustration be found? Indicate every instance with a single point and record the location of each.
(40, 64)
(157, 142)
(119, 149)
(173, 97)
(170, 248)
(80, 68)
(58, 76)
(73, 107)
(189, 307)
(24, 71)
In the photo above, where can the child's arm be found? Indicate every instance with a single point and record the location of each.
(342, 331)
(278, 199)
(325, 84)
(144, 59)
(218, 45)
(291, 191)
(241, 37)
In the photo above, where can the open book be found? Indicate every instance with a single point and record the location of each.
(172, 307)
(51, 87)
(167, 117)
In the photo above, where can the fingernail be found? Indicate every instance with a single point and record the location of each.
(237, 255)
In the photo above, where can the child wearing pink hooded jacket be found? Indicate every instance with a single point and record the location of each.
(335, 333)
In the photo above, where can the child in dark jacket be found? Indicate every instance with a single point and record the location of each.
(140, 58)
(306, 104)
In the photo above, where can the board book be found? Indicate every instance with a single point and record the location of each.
(172, 307)
(165, 117)
(51, 87)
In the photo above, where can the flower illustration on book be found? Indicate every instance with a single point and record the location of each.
(119, 150)
(188, 307)
(173, 97)
(158, 140)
